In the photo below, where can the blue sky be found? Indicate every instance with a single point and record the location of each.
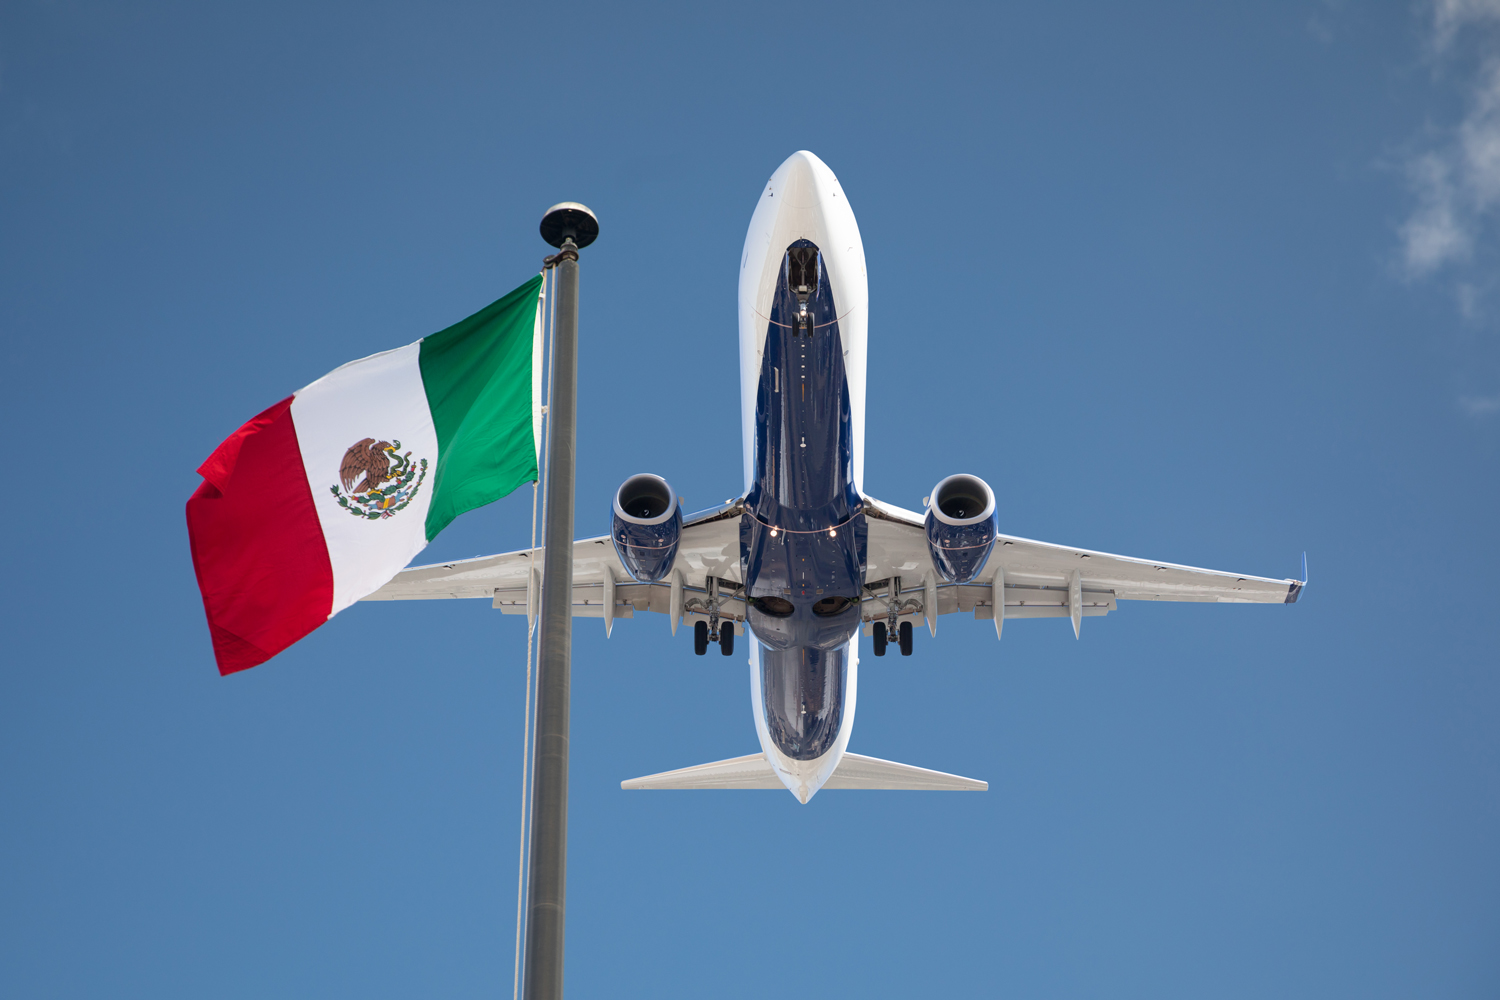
(1214, 284)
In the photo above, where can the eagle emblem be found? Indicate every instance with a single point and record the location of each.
(367, 468)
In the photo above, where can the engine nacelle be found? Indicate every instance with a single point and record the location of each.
(961, 526)
(647, 526)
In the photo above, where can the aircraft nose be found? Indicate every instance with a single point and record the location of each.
(800, 184)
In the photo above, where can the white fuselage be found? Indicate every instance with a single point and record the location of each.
(803, 201)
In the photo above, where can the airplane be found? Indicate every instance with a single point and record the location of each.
(803, 559)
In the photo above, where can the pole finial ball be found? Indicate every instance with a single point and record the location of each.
(569, 219)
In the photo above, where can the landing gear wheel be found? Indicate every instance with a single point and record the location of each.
(906, 638)
(880, 638)
(700, 637)
(726, 637)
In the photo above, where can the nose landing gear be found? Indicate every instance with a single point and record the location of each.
(802, 278)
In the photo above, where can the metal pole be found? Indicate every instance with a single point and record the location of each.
(547, 890)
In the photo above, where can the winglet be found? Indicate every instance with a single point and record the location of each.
(1295, 590)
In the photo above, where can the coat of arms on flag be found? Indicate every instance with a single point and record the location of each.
(378, 462)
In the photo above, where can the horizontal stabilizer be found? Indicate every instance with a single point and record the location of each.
(751, 771)
(858, 771)
(854, 771)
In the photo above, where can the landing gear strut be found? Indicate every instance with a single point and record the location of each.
(889, 630)
(901, 634)
(716, 629)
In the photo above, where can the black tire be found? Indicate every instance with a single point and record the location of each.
(700, 637)
(906, 638)
(880, 638)
(726, 637)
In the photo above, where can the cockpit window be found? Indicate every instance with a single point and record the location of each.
(829, 606)
(773, 606)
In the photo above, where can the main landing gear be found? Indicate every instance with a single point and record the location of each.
(888, 630)
(716, 629)
(903, 638)
(723, 635)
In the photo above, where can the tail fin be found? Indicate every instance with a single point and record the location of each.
(855, 771)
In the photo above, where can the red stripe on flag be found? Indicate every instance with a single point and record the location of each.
(258, 549)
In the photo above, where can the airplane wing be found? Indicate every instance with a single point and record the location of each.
(710, 548)
(1038, 577)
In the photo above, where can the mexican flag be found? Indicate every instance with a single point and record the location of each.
(322, 498)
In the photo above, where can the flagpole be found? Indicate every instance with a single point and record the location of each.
(569, 227)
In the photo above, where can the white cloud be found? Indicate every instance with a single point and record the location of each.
(1448, 16)
(1457, 180)
(1479, 406)
(1435, 233)
(1468, 300)
(1479, 140)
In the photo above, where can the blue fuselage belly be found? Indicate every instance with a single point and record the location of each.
(802, 539)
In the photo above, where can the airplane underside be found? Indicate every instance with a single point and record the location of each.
(803, 561)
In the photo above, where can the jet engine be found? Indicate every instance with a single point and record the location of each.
(647, 526)
(961, 526)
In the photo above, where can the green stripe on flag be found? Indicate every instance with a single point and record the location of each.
(477, 374)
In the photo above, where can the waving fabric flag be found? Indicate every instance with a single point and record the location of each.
(325, 496)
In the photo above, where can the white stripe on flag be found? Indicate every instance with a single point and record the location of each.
(381, 398)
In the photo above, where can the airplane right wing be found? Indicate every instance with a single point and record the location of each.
(1041, 580)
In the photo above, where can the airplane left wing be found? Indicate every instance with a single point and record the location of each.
(511, 581)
